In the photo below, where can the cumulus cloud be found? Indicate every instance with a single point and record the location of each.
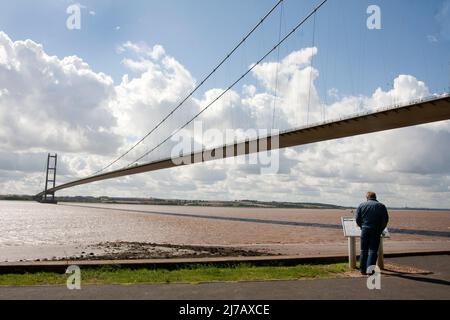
(157, 84)
(406, 88)
(48, 103)
(290, 88)
(142, 49)
(52, 104)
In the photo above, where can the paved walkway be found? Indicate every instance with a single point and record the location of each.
(432, 286)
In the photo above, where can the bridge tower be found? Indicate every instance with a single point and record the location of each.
(50, 179)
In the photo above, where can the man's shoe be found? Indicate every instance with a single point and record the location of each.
(364, 273)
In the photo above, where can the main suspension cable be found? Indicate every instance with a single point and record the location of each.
(195, 89)
(234, 83)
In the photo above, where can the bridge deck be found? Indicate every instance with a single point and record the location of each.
(420, 112)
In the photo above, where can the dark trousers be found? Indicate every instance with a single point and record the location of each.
(370, 243)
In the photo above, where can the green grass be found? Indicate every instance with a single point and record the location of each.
(195, 274)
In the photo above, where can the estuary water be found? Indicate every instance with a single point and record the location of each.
(30, 230)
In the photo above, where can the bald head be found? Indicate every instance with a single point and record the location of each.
(371, 195)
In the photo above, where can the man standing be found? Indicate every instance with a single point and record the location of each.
(372, 217)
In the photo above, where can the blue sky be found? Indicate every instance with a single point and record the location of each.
(351, 58)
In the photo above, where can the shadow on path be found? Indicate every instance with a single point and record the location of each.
(419, 279)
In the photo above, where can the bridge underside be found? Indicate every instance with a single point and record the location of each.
(422, 112)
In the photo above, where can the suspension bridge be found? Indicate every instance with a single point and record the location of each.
(416, 113)
(412, 113)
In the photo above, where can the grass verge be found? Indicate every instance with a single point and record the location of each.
(194, 274)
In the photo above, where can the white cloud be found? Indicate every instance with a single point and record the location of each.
(292, 82)
(3, 56)
(406, 88)
(156, 52)
(249, 90)
(53, 103)
(333, 93)
(161, 83)
(288, 70)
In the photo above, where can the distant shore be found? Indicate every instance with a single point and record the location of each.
(199, 203)
(180, 202)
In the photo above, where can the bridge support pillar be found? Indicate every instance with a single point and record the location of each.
(50, 179)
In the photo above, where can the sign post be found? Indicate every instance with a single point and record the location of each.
(352, 252)
(352, 231)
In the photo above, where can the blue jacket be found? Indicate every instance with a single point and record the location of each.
(372, 215)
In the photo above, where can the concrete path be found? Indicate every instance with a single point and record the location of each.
(432, 286)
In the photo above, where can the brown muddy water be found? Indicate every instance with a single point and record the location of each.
(30, 231)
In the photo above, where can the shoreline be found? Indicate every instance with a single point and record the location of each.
(122, 250)
(135, 251)
(207, 203)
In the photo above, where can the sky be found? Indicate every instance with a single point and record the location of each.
(90, 93)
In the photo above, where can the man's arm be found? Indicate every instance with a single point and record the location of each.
(358, 217)
(385, 218)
